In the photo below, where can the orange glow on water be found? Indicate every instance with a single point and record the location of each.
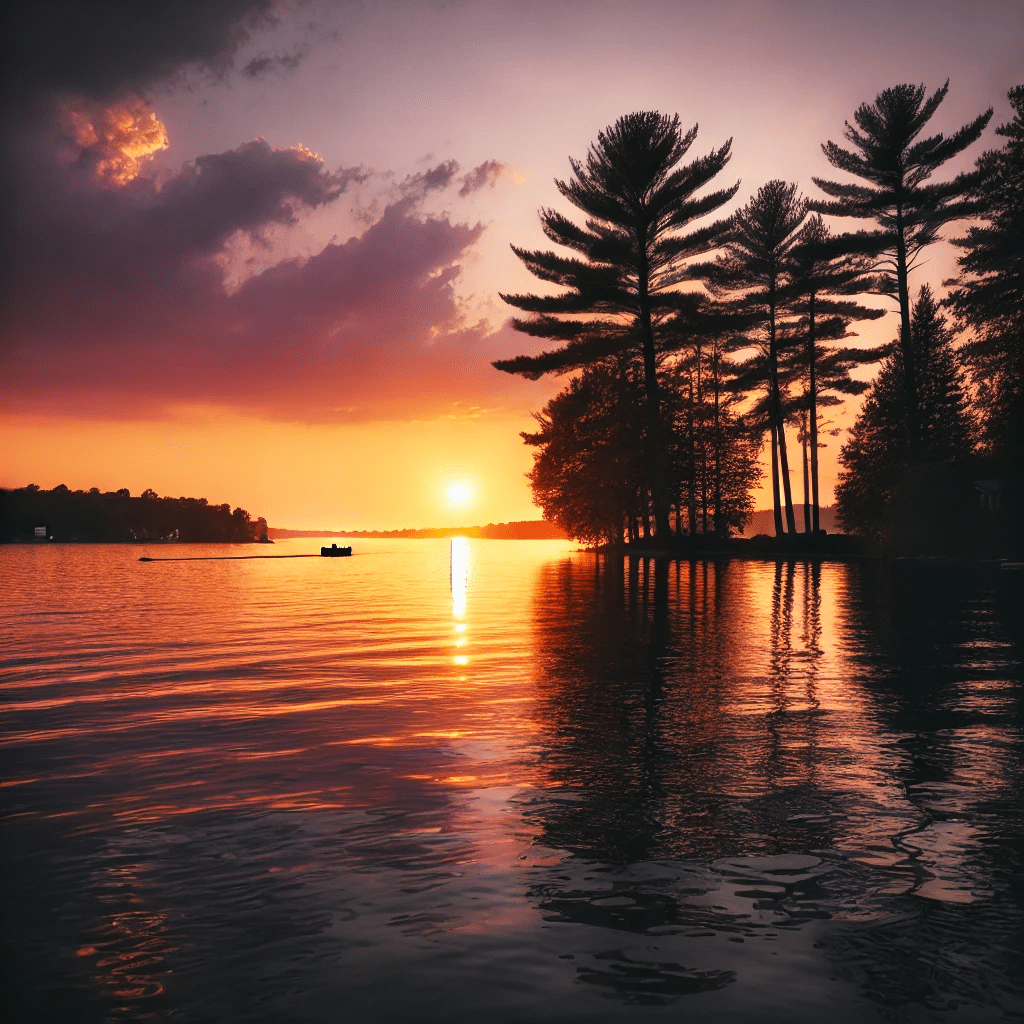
(310, 730)
(250, 684)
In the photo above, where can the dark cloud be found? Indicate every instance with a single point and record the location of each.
(118, 306)
(267, 64)
(486, 173)
(245, 189)
(106, 47)
(72, 230)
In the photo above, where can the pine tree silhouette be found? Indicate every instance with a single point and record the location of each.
(883, 493)
(989, 300)
(637, 200)
(909, 212)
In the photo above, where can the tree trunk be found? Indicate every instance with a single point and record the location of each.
(776, 504)
(906, 341)
(655, 443)
(787, 485)
(703, 448)
(719, 531)
(807, 504)
(813, 413)
(691, 505)
(776, 402)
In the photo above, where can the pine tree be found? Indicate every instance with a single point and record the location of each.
(756, 270)
(637, 201)
(883, 492)
(821, 271)
(989, 299)
(909, 212)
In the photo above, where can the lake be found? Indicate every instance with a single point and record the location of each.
(507, 781)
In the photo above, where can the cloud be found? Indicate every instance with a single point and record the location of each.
(116, 295)
(435, 179)
(75, 239)
(368, 329)
(486, 173)
(99, 50)
(266, 64)
(117, 304)
(117, 140)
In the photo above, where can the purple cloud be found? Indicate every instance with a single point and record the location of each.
(416, 186)
(117, 305)
(486, 173)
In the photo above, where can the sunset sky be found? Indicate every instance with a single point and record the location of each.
(254, 250)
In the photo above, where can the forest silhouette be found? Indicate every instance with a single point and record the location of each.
(691, 340)
(115, 516)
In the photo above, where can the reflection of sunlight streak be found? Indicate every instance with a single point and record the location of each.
(459, 575)
(459, 578)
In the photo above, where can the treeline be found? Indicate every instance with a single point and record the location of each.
(527, 529)
(115, 516)
(693, 342)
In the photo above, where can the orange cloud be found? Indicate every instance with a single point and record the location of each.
(117, 139)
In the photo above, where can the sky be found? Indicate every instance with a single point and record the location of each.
(255, 249)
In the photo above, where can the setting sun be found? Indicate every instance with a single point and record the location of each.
(459, 494)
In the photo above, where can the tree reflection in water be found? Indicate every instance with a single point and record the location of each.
(740, 749)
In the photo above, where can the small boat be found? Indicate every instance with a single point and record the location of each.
(335, 552)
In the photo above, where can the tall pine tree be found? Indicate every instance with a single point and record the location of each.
(822, 279)
(757, 269)
(989, 300)
(896, 166)
(637, 201)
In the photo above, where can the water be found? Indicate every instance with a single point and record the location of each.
(507, 781)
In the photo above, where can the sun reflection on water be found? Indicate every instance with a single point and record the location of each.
(459, 578)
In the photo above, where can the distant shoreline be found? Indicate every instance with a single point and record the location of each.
(531, 529)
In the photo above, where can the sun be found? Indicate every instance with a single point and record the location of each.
(459, 494)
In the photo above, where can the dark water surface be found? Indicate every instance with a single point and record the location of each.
(504, 781)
